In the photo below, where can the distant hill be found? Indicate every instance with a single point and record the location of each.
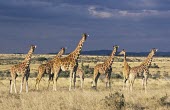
(108, 52)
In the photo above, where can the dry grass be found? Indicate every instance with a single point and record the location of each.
(87, 98)
(156, 98)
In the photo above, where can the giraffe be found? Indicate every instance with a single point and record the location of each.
(22, 69)
(104, 68)
(47, 69)
(141, 70)
(69, 63)
(80, 73)
(126, 68)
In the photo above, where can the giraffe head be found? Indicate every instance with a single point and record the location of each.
(33, 47)
(115, 47)
(84, 35)
(63, 49)
(153, 51)
(123, 52)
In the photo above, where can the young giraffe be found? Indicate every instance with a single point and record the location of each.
(141, 70)
(80, 73)
(126, 68)
(48, 69)
(104, 68)
(69, 63)
(23, 69)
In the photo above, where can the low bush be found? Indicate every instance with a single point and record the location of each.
(41, 59)
(115, 101)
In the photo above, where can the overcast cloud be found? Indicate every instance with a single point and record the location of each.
(136, 25)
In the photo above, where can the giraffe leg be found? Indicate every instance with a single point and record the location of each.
(82, 81)
(50, 79)
(71, 78)
(11, 84)
(27, 76)
(132, 82)
(143, 84)
(55, 82)
(74, 81)
(106, 80)
(15, 83)
(94, 84)
(22, 82)
(123, 83)
(131, 85)
(39, 77)
(15, 86)
(37, 83)
(109, 76)
(55, 78)
(146, 78)
(108, 84)
(96, 79)
(127, 84)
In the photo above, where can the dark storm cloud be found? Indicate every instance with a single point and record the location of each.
(53, 24)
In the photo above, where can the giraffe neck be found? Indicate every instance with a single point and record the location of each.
(111, 58)
(125, 59)
(148, 60)
(75, 54)
(28, 57)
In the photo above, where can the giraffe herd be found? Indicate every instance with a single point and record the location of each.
(70, 63)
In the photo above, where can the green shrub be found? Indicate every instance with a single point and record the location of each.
(163, 101)
(154, 66)
(5, 73)
(117, 76)
(41, 59)
(115, 101)
(64, 74)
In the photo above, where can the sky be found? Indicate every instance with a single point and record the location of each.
(134, 25)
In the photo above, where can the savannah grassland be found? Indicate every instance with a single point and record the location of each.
(156, 98)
